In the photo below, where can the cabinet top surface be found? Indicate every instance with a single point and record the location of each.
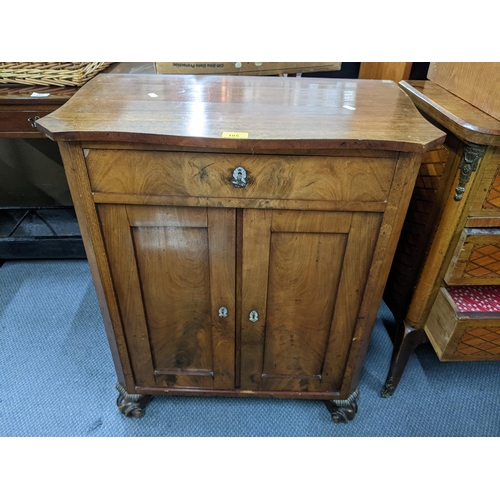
(460, 117)
(269, 112)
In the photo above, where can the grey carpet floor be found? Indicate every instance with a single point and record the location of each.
(57, 378)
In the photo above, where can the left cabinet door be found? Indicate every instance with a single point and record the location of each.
(173, 270)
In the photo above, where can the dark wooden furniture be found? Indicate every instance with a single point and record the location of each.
(240, 229)
(21, 105)
(450, 237)
(33, 224)
(30, 228)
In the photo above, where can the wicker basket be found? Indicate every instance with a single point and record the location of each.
(50, 73)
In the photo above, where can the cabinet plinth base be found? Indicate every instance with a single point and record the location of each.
(132, 405)
(345, 409)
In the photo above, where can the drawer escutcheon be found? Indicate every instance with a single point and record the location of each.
(239, 179)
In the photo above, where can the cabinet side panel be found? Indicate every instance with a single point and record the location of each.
(78, 181)
(406, 172)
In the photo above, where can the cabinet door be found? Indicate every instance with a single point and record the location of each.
(173, 270)
(303, 279)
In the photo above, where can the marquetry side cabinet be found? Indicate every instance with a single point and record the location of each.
(240, 230)
(444, 285)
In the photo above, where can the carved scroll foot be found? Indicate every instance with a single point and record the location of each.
(132, 405)
(345, 409)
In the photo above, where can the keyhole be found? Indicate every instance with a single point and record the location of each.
(254, 316)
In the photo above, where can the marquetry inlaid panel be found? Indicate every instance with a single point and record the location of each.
(484, 262)
(476, 259)
(414, 235)
(492, 200)
(480, 341)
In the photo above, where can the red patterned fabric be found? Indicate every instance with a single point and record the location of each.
(476, 298)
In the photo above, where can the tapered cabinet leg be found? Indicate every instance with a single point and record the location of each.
(345, 409)
(407, 339)
(131, 405)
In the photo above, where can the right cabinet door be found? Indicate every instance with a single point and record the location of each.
(303, 279)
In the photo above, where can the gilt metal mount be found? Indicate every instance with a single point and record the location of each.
(470, 160)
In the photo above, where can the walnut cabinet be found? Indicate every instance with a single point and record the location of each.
(240, 229)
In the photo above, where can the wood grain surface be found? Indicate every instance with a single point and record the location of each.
(458, 116)
(474, 82)
(383, 253)
(315, 265)
(298, 257)
(88, 221)
(173, 269)
(236, 202)
(118, 240)
(395, 71)
(186, 110)
(254, 278)
(356, 264)
(303, 283)
(269, 177)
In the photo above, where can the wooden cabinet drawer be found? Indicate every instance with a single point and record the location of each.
(476, 260)
(486, 195)
(20, 121)
(464, 323)
(216, 175)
